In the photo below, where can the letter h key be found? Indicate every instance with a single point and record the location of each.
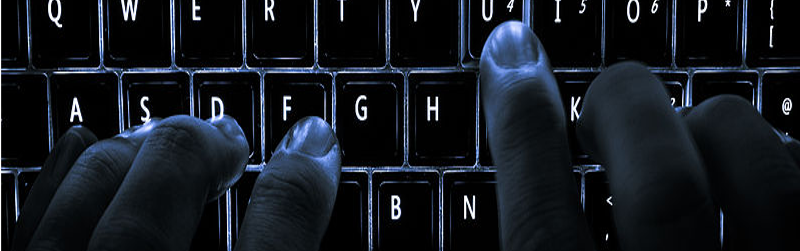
(442, 119)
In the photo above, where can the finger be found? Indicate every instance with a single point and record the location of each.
(525, 118)
(66, 151)
(792, 145)
(294, 195)
(86, 191)
(662, 199)
(754, 178)
(184, 163)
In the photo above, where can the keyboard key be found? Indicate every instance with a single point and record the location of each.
(577, 174)
(347, 229)
(351, 33)
(573, 87)
(709, 33)
(406, 211)
(24, 184)
(570, 30)
(639, 30)
(485, 153)
(240, 199)
(780, 92)
(598, 211)
(15, 35)
(370, 123)
(89, 99)
(772, 33)
(484, 16)
(152, 95)
(9, 209)
(293, 97)
(235, 95)
(709, 84)
(293, 20)
(470, 211)
(212, 229)
(675, 84)
(137, 33)
(424, 34)
(208, 33)
(64, 34)
(24, 120)
(442, 119)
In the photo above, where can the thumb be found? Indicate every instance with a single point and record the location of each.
(293, 197)
(527, 127)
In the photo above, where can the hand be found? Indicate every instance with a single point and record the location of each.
(670, 175)
(145, 188)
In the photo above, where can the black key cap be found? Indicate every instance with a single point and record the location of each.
(347, 229)
(293, 20)
(772, 33)
(780, 91)
(240, 198)
(484, 15)
(424, 34)
(351, 33)
(709, 84)
(87, 99)
(442, 119)
(24, 184)
(578, 183)
(64, 34)
(137, 33)
(15, 35)
(150, 96)
(208, 33)
(573, 88)
(370, 123)
(639, 30)
(470, 211)
(675, 84)
(598, 211)
(406, 209)
(293, 97)
(212, 229)
(235, 95)
(9, 209)
(24, 120)
(709, 33)
(570, 30)
(485, 153)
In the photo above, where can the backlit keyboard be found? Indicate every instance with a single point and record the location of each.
(398, 80)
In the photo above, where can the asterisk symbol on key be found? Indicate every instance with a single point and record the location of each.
(727, 3)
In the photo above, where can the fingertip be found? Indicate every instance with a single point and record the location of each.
(512, 44)
(314, 138)
(228, 126)
(85, 136)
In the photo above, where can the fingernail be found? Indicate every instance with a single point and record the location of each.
(140, 129)
(512, 44)
(312, 136)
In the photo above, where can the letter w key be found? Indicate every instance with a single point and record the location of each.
(137, 34)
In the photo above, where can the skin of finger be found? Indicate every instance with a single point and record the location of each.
(753, 176)
(661, 193)
(538, 204)
(177, 170)
(292, 200)
(84, 195)
(68, 148)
